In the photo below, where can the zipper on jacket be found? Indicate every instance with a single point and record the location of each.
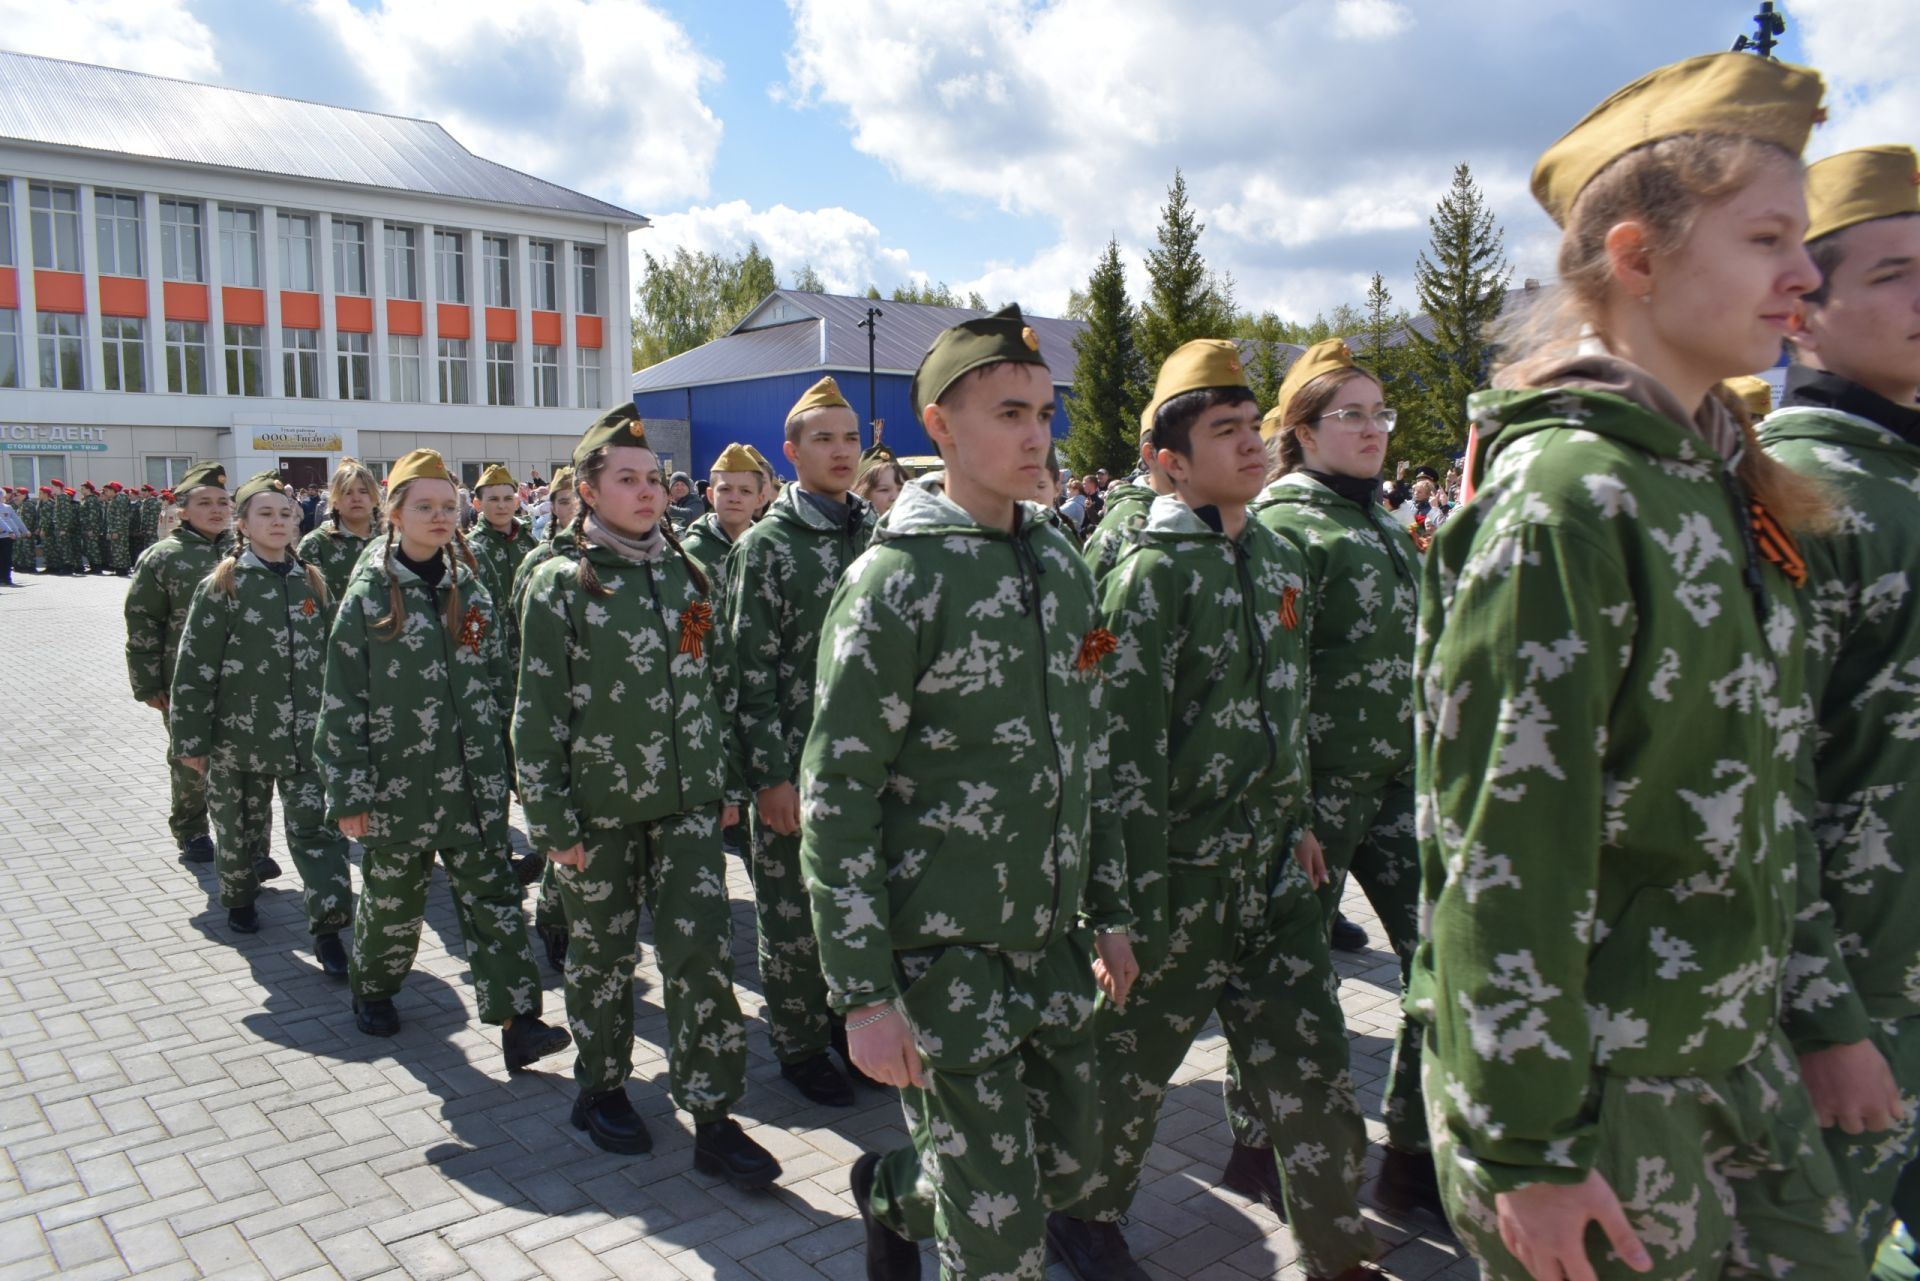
(673, 697)
(1030, 573)
(1259, 652)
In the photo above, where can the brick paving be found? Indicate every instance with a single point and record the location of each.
(177, 1101)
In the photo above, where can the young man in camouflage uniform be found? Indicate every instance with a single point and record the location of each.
(947, 796)
(500, 540)
(1127, 503)
(781, 576)
(1851, 418)
(733, 491)
(27, 555)
(93, 528)
(119, 529)
(146, 521)
(1208, 609)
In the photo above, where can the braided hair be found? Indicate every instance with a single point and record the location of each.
(390, 627)
(588, 472)
(224, 574)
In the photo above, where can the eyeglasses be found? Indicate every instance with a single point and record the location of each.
(1357, 419)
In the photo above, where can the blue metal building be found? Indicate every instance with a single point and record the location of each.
(740, 386)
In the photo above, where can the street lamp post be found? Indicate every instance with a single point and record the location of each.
(873, 330)
(1768, 26)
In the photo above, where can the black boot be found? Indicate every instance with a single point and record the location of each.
(890, 1256)
(556, 945)
(610, 1121)
(1358, 1272)
(1348, 937)
(244, 920)
(375, 1015)
(331, 953)
(1408, 1182)
(820, 1081)
(1092, 1250)
(723, 1148)
(527, 1039)
(197, 849)
(1251, 1172)
(265, 868)
(527, 870)
(839, 1036)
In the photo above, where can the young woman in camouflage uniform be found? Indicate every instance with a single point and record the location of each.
(621, 737)
(410, 748)
(1611, 726)
(246, 693)
(353, 504)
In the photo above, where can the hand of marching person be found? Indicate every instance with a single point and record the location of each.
(574, 856)
(1114, 968)
(354, 827)
(1544, 1226)
(779, 808)
(198, 764)
(1852, 1087)
(1312, 859)
(884, 1050)
(158, 703)
(729, 816)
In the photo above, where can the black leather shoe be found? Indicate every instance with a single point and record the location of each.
(1408, 1182)
(610, 1121)
(331, 953)
(198, 849)
(820, 1081)
(723, 1148)
(1348, 937)
(1251, 1172)
(1358, 1272)
(529, 1039)
(1092, 1250)
(527, 870)
(265, 868)
(556, 945)
(375, 1015)
(890, 1256)
(839, 1036)
(244, 920)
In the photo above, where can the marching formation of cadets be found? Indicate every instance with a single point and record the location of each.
(1626, 755)
(91, 531)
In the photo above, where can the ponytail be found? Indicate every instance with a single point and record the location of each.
(390, 627)
(452, 616)
(589, 580)
(587, 472)
(698, 575)
(225, 573)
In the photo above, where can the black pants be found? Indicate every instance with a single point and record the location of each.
(6, 561)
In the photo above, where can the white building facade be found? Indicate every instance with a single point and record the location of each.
(190, 272)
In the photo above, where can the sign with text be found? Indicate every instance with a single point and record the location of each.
(298, 440)
(40, 438)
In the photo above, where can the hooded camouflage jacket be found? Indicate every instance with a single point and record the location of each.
(334, 551)
(1610, 726)
(1104, 542)
(1857, 953)
(499, 555)
(1363, 579)
(157, 600)
(411, 729)
(246, 689)
(1205, 693)
(780, 579)
(621, 714)
(949, 779)
(708, 544)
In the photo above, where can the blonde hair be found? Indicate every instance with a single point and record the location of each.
(390, 627)
(1284, 451)
(864, 483)
(1663, 186)
(352, 472)
(224, 575)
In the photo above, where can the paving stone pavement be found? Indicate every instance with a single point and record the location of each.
(176, 1101)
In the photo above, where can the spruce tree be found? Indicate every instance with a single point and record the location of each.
(1267, 360)
(1461, 281)
(1108, 376)
(1184, 299)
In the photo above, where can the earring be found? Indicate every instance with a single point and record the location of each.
(1647, 297)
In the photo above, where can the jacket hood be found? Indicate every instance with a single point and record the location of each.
(1831, 427)
(922, 511)
(795, 508)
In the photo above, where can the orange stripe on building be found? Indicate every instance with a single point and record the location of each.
(546, 329)
(456, 321)
(406, 318)
(60, 291)
(243, 306)
(502, 325)
(123, 296)
(353, 315)
(299, 310)
(185, 302)
(586, 331)
(9, 288)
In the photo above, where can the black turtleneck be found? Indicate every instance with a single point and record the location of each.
(1817, 389)
(429, 571)
(1364, 490)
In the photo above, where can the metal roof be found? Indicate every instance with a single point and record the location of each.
(76, 104)
(827, 336)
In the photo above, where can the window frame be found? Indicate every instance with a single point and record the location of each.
(296, 346)
(586, 381)
(55, 220)
(586, 280)
(543, 275)
(61, 339)
(403, 370)
(544, 375)
(230, 238)
(235, 352)
(114, 354)
(179, 352)
(454, 368)
(496, 286)
(500, 358)
(286, 242)
(353, 370)
(454, 257)
(342, 284)
(109, 247)
(10, 348)
(175, 234)
(405, 255)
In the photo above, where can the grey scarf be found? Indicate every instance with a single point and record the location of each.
(639, 551)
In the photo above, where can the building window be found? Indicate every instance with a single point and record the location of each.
(180, 242)
(187, 357)
(246, 360)
(453, 372)
(300, 362)
(116, 226)
(349, 257)
(546, 377)
(449, 266)
(166, 471)
(496, 270)
(6, 222)
(586, 281)
(543, 275)
(586, 378)
(240, 247)
(403, 367)
(499, 373)
(63, 361)
(355, 367)
(403, 280)
(9, 349)
(35, 470)
(296, 252)
(56, 227)
(123, 341)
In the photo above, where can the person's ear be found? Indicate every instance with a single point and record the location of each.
(1630, 259)
(934, 421)
(1174, 465)
(791, 451)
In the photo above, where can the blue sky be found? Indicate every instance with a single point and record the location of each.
(996, 146)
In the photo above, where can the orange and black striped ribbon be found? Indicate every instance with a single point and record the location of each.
(1776, 545)
(695, 622)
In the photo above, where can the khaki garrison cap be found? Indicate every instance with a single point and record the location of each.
(1859, 186)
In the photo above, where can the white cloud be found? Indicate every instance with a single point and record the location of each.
(1865, 49)
(843, 247)
(599, 95)
(159, 37)
(1370, 19)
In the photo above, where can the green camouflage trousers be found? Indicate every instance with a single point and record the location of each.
(241, 807)
(673, 868)
(548, 912)
(486, 900)
(1721, 1177)
(1006, 1128)
(1251, 947)
(1870, 1165)
(797, 1019)
(187, 818)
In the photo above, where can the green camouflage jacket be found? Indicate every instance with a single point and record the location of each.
(708, 544)
(948, 782)
(621, 716)
(333, 551)
(1104, 542)
(499, 555)
(246, 688)
(30, 516)
(148, 523)
(1611, 725)
(411, 732)
(93, 517)
(120, 516)
(158, 595)
(1205, 692)
(780, 580)
(1857, 954)
(1363, 575)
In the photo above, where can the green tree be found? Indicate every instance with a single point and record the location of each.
(1268, 361)
(1461, 283)
(690, 298)
(1184, 300)
(807, 280)
(745, 282)
(1109, 376)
